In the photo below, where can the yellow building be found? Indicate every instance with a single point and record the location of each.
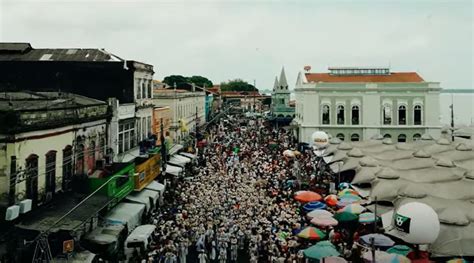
(161, 114)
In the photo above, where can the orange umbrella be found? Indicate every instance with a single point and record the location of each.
(331, 200)
(307, 196)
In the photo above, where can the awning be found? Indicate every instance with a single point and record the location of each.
(155, 186)
(175, 148)
(190, 155)
(182, 158)
(126, 214)
(143, 197)
(177, 162)
(174, 170)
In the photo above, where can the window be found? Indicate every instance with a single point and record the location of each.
(355, 137)
(340, 136)
(355, 115)
(417, 137)
(92, 155)
(340, 114)
(387, 115)
(126, 136)
(417, 115)
(402, 115)
(80, 150)
(402, 138)
(50, 172)
(31, 174)
(387, 136)
(143, 90)
(150, 93)
(326, 113)
(148, 120)
(143, 131)
(139, 90)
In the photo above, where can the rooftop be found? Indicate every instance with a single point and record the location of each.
(393, 77)
(24, 52)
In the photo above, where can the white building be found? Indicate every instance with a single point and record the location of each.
(187, 110)
(361, 103)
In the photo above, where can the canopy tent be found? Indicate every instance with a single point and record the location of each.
(174, 170)
(155, 186)
(126, 214)
(103, 238)
(178, 162)
(146, 197)
(189, 155)
(181, 158)
(175, 148)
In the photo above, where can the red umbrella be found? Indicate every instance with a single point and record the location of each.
(331, 200)
(307, 196)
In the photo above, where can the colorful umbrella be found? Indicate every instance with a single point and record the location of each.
(307, 196)
(288, 153)
(345, 217)
(344, 185)
(311, 233)
(353, 209)
(366, 218)
(379, 240)
(334, 260)
(400, 250)
(319, 213)
(381, 256)
(331, 200)
(347, 191)
(314, 205)
(324, 221)
(321, 250)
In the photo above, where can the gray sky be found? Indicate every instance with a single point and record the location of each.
(253, 39)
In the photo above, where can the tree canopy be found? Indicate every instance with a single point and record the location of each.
(183, 82)
(237, 85)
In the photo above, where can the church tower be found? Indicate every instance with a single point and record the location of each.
(281, 109)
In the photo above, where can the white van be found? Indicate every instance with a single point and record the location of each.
(138, 240)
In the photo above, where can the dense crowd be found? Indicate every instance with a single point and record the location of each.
(240, 206)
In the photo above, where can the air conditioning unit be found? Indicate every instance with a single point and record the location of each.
(25, 205)
(12, 212)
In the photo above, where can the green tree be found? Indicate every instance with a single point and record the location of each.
(180, 81)
(237, 85)
(267, 101)
(200, 81)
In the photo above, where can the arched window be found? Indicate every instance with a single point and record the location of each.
(402, 115)
(80, 166)
(387, 136)
(326, 114)
(31, 174)
(355, 137)
(340, 114)
(417, 115)
(355, 115)
(340, 136)
(402, 138)
(92, 156)
(417, 137)
(50, 172)
(387, 115)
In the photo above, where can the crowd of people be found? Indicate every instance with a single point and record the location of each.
(240, 205)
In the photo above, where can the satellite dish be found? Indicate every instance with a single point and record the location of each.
(320, 140)
(307, 68)
(415, 223)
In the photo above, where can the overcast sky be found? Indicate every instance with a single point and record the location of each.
(253, 39)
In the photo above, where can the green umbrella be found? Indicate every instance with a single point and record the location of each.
(345, 217)
(400, 250)
(321, 250)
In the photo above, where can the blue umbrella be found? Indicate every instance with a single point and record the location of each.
(314, 205)
(379, 240)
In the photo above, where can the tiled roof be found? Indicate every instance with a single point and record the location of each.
(392, 77)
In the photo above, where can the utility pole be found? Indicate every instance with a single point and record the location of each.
(452, 117)
(255, 85)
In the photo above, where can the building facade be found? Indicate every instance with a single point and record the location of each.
(361, 103)
(161, 116)
(49, 143)
(187, 110)
(94, 73)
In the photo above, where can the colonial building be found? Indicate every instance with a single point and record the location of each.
(361, 103)
(94, 73)
(281, 110)
(187, 110)
(161, 116)
(48, 141)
